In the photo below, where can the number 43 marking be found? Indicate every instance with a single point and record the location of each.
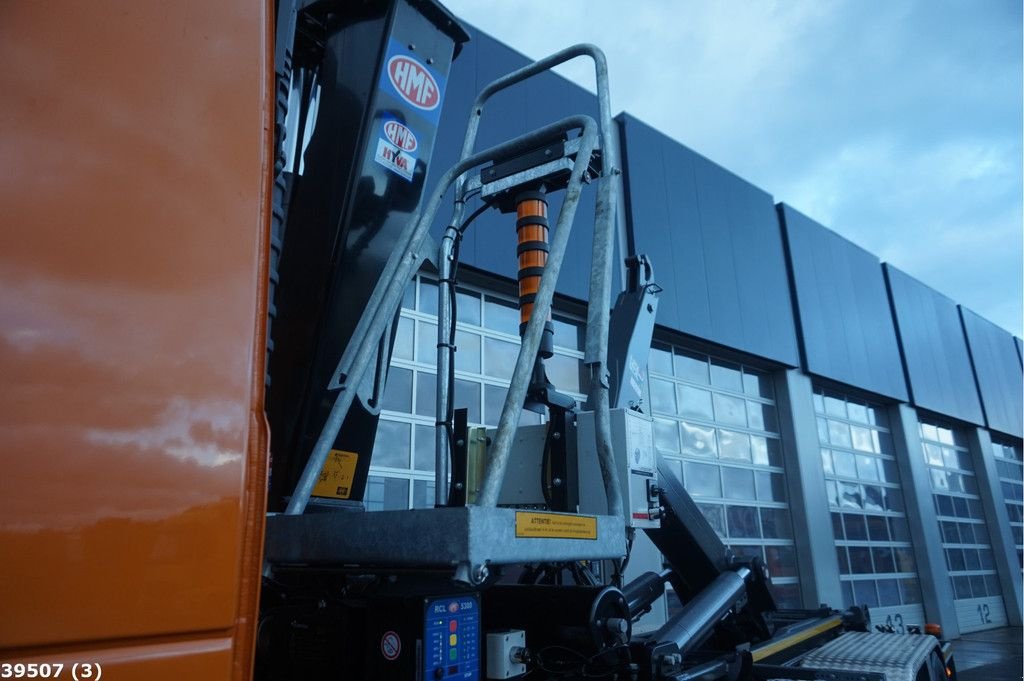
(896, 623)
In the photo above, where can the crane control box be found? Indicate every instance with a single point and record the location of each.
(633, 446)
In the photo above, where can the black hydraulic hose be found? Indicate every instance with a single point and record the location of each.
(449, 423)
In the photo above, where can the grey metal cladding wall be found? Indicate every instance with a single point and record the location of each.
(934, 348)
(1020, 349)
(845, 322)
(997, 367)
(715, 244)
(490, 244)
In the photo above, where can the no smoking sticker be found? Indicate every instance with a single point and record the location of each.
(390, 646)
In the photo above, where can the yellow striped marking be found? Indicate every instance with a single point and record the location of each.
(799, 637)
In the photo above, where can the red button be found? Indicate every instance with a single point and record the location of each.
(452, 626)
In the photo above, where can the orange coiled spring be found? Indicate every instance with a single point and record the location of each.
(532, 251)
(531, 228)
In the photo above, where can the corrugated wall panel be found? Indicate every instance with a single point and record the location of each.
(846, 326)
(997, 367)
(490, 244)
(934, 348)
(715, 243)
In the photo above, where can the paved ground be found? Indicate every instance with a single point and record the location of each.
(994, 655)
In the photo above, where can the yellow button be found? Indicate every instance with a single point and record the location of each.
(453, 639)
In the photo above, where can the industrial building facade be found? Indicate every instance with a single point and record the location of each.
(856, 429)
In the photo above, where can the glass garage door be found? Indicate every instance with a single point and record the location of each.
(965, 540)
(1011, 483)
(869, 521)
(715, 421)
(487, 338)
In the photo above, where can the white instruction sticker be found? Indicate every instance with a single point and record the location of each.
(640, 440)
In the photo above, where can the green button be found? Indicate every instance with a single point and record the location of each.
(453, 654)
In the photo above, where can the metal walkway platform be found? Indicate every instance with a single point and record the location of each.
(467, 538)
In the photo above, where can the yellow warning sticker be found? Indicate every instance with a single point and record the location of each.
(555, 525)
(337, 475)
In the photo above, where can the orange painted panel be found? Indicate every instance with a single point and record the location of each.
(134, 140)
(174, 661)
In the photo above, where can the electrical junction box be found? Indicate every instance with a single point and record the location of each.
(500, 647)
(635, 460)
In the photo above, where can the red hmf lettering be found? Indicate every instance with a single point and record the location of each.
(401, 136)
(413, 82)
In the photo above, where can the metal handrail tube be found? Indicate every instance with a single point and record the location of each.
(359, 352)
(598, 312)
(498, 454)
(609, 138)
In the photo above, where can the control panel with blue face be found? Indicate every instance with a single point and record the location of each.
(451, 638)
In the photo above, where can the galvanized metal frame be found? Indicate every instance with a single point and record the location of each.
(608, 202)
(383, 304)
(483, 379)
(466, 538)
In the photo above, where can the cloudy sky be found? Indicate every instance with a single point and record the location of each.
(897, 124)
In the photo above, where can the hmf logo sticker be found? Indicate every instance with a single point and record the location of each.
(414, 82)
(416, 85)
(400, 136)
(396, 148)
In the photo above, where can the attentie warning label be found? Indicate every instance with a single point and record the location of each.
(337, 475)
(555, 525)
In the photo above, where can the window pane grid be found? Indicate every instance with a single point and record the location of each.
(876, 560)
(1010, 470)
(717, 428)
(717, 389)
(487, 341)
(965, 539)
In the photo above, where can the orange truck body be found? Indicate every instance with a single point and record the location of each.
(135, 139)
